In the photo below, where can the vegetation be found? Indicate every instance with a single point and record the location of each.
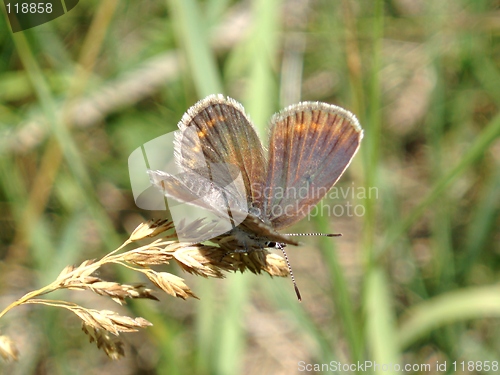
(414, 278)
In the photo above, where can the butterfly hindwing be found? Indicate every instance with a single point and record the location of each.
(207, 202)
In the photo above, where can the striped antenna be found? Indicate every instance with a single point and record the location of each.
(282, 248)
(315, 234)
(297, 292)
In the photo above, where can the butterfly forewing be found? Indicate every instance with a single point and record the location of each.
(311, 144)
(216, 131)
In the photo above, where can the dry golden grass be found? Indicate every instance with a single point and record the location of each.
(104, 326)
(8, 350)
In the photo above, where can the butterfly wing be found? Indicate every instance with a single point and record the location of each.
(311, 145)
(216, 131)
(207, 202)
(191, 188)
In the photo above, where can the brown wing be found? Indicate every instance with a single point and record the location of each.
(311, 145)
(216, 131)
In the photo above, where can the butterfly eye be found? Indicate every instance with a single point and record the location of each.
(271, 244)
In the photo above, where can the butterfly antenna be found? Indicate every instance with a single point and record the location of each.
(297, 292)
(315, 234)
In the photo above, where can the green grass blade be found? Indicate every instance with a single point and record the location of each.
(381, 331)
(475, 152)
(192, 35)
(451, 307)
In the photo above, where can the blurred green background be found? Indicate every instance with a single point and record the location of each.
(413, 280)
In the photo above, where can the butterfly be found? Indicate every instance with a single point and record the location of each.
(225, 170)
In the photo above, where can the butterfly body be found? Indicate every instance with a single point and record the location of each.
(247, 237)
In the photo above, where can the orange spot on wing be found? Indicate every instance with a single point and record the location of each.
(300, 127)
(211, 123)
